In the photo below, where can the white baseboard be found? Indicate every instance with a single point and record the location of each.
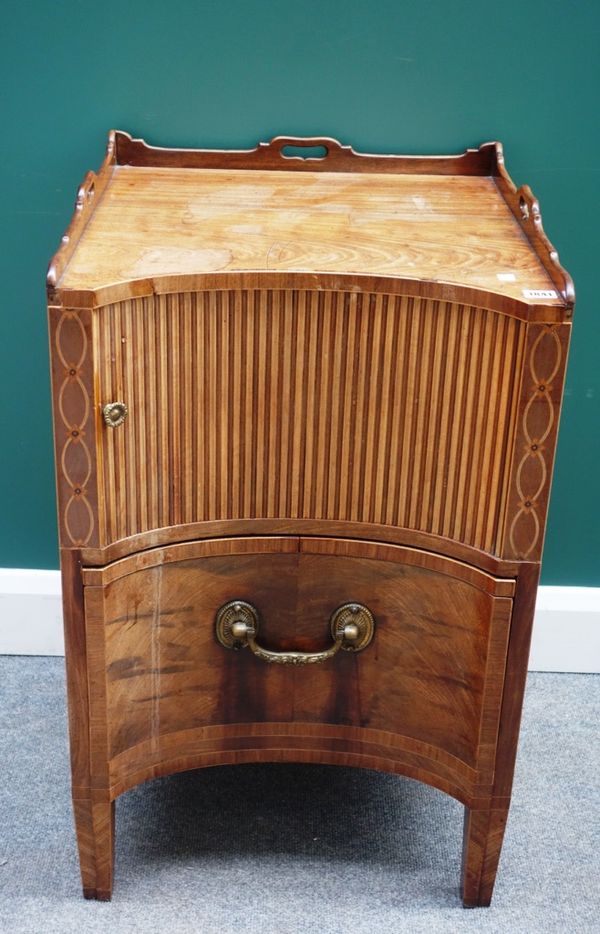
(30, 613)
(566, 631)
(566, 635)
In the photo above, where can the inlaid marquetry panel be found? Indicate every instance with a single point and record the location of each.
(72, 378)
(536, 430)
(301, 404)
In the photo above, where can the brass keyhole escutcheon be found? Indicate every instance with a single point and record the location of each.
(114, 413)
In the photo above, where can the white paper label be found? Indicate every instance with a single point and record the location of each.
(539, 293)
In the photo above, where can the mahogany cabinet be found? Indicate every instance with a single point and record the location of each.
(305, 414)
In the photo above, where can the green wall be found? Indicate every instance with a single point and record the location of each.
(421, 76)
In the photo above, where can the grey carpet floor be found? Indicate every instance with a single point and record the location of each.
(298, 849)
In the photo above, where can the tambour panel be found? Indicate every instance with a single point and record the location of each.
(307, 404)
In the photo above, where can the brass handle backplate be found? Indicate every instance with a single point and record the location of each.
(114, 413)
(352, 626)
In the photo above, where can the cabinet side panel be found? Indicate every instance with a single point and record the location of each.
(76, 665)
(300, 404)
(71, 346)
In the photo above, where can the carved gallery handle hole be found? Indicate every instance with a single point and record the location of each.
(524, 208)
(304, 152)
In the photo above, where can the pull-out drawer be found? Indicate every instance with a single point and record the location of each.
(422, 697)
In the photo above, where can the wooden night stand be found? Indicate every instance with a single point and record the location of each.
(305, 409)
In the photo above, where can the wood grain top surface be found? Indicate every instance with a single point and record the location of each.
(175, 221)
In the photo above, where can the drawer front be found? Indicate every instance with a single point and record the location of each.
(427, 688)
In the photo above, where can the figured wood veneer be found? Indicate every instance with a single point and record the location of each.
(340, 387)
(159, 656)
(210, 221)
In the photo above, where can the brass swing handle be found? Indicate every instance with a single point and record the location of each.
(352, 626)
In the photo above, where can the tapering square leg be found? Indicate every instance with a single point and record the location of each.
(482, 842)
(95, 825)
